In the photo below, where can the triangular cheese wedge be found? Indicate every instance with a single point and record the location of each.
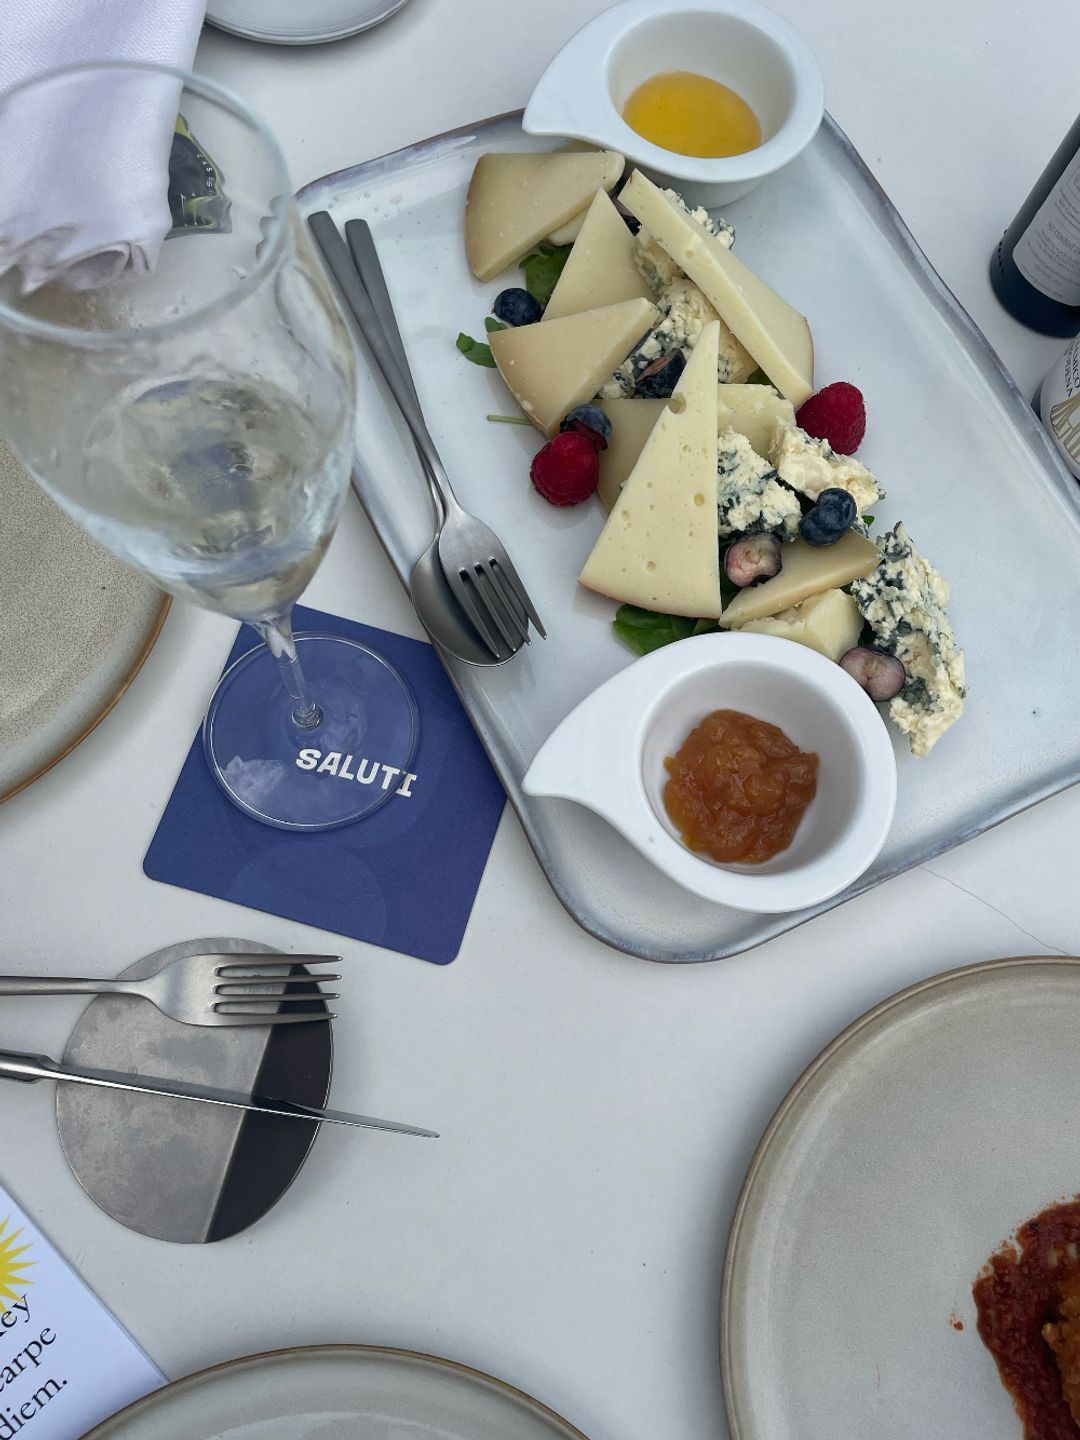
(808, 570)
(754, 411)
(514, 201)
(553, 368)
(776, 335)
(658, 548)
(631, 425)
(600, 269)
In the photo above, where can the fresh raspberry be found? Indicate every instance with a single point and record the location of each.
(836, 414)
(566, 470)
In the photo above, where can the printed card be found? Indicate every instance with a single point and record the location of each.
(65, 1362)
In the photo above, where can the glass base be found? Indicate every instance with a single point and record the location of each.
(354, 761)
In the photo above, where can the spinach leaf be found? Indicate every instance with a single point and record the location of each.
(645, 630)
(543, 269)
(475, 351)
(491, 324)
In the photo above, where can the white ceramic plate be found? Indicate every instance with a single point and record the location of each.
(337, 1392)
(284, 22)
(949, 435)
(75, 626)
(914, 1144)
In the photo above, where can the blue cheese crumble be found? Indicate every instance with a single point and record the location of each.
(903, 601)
(750, 498)
(684, 313)
(811, 466)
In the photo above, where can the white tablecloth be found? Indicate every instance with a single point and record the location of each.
(598, 1112)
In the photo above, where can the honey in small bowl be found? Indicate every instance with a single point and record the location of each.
(691, 114)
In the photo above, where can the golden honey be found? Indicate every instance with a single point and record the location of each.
(692, 115)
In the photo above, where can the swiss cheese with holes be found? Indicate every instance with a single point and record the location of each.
(659, 548)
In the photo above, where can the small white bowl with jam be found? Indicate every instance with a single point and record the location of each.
(733, 744)
(708, 98)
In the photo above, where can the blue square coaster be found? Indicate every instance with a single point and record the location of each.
(405, 878)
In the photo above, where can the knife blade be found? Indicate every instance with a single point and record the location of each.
(15, 1065)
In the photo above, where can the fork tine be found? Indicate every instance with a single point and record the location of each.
(506, 565)
(509, 626)
(241, 1004)
(464, 592)
(509, 599)
(268, 965)
(243, 987)
(315, 1017)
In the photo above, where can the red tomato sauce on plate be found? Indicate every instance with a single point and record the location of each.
(1015, 1296)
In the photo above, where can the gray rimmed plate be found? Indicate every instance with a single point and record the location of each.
(338, 1392)
(283, 22)
(76, 624)
(911, 1147)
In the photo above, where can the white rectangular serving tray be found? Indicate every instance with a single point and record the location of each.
(963, 459)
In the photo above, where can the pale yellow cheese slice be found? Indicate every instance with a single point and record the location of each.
(829, 623)
(600, 269)
(754, 411)
(658, 548)
(631, 425)
(568, 233)
(775, 334)
(514, 201)
(808, 570)
(553, 368)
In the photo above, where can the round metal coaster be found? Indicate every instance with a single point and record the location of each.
(173, 1169)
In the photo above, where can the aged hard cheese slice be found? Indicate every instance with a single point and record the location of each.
(658, 548)
(754, 411)
(568, 233)
(829, 623)
(601, 269)
(631, 425)
(554, 367)
(514, 201)
(777, 336)
(807, 571)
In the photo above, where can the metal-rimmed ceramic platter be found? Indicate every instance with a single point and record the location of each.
(338, 1392)
(76, 625)
(283, 22)
(966, 465)
(914, 1144)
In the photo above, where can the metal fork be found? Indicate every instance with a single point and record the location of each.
(233, 989)
(477, 567)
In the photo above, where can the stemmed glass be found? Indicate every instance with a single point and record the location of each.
(196, 417)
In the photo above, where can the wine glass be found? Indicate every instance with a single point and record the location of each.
(195, 415)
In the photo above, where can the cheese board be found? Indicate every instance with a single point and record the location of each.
(963, 459)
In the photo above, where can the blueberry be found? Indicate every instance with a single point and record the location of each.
(517, 307)
(834, 512)
(590, 421)
(658, 380)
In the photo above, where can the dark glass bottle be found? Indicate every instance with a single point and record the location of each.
(1035, 269)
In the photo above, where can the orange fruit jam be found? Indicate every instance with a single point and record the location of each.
(738, 788)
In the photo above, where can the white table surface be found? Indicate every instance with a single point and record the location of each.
(598, 1112)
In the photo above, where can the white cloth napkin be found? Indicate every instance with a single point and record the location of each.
(83, 189)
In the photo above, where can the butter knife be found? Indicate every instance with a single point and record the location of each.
(14, 1065)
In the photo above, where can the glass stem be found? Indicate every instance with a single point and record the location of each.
(278, 636)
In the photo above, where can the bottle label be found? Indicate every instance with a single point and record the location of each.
(1059, 405)
(1048, 252)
